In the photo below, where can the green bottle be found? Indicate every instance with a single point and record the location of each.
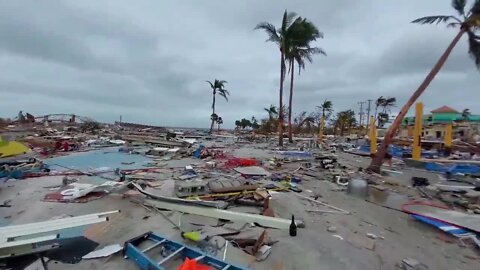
(293, 227)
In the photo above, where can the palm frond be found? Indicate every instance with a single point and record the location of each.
(270, 30)
(459, 6)
(211, 84)
(454, 24)
(435, 19)
(224, 93)
(287, 20)
(474, 47)
(475, 9)
(316, 50)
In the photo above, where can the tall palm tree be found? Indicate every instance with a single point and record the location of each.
(305, 32)
(469, 23)
(218, 87)
(282, 37)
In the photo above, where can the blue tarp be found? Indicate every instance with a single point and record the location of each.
(399, 152)
(451, 229)
(453, 169)
(295, 153)
(198, 152)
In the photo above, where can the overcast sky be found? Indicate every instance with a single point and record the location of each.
(148, 60)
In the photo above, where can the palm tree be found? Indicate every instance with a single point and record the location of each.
(326, 107)
(272, 112)
(283, 37)
(388, 103)
(344, 121)
(469, 23)
(304, 33)
(219, 122)
(465, 114)
(378, 103)
(217, 88)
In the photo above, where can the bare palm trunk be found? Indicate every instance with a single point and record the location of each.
(290, 138)
(280, 113)
(378, 159)
(213, 109)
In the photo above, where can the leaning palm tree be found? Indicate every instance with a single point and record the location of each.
(304, 32)
(217, 88)
(468, 23)
(282, 37)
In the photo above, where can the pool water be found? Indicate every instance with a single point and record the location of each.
(107, 157)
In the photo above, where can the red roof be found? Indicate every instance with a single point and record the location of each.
(444, 109)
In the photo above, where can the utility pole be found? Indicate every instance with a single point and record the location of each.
(361, 112)
(368, 112)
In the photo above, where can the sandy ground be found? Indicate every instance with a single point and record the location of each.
(313, 248)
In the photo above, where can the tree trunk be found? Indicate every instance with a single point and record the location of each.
(280, 112)
(213, 109)
(290, 138)
(378, 159)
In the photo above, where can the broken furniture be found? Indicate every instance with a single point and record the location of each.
(169, 251)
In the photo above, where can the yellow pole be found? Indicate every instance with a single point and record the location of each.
(417, 132)
(373, 135)
(320, 132)
(448, 136)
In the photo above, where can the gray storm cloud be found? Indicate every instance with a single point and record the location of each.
(148, 62)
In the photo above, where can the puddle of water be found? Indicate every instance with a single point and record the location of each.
(109, 157)
(386, 198)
